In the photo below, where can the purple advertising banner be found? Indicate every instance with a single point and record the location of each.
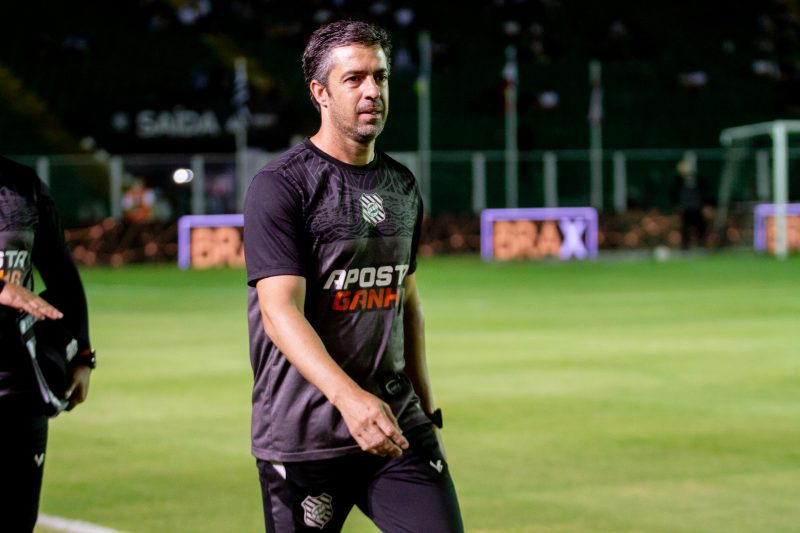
(536, 233)
(221, 245)
(764, 230)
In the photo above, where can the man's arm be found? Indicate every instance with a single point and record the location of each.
(369, 420)
(414, 351)
(53, 260)
(414, 339)
(18, 297)
(65, 290)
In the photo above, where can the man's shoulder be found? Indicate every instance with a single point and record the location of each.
(285, 176)
(290, 160)
(287, 167)
(19, 178)
(397, 174)
(11, 170)
(393, 165)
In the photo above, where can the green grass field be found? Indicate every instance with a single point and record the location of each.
(606, 396)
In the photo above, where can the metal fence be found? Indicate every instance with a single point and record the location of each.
(89, 188)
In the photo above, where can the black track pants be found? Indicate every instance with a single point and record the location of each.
(23, 442)
(411, 493)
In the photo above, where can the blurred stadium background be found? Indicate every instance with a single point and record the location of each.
(674, 411)
(101, 96)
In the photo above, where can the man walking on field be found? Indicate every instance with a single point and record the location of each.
(343, 412)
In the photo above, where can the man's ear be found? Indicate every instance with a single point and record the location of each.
(319, 93)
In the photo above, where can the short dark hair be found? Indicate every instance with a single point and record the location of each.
(316, 56)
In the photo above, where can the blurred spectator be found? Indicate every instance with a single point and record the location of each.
(402, 59)
(694, 80)
(536, 31)
(190, 11)
(511, 28)
(767, 69)
(692, 199)
(321, 16)
(379, 8)
(137, 202)
(619, 41)
(220, 193)
(404, 17)
(548, 99)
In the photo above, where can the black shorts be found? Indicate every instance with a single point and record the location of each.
(413, 492)
(23, 442)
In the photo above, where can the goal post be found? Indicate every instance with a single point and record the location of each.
(779, 131)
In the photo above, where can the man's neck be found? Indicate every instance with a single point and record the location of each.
(345, 150)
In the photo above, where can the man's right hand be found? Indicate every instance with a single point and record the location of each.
(21, 298)
(372, 424)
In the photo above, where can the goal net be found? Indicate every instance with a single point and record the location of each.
(770, 166)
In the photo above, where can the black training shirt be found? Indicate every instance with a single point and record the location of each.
(352, 233)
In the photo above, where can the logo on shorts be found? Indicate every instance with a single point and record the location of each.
(438, 466)
(318, 510)
(372, 209)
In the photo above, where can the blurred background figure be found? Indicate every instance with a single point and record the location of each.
(137, 202)
(691, 199)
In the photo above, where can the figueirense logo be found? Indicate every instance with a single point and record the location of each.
(372, 208)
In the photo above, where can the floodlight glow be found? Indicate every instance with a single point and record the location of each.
(182, 175)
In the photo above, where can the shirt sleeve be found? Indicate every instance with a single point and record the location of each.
(412, 265)
(54, 262)
(273, 227)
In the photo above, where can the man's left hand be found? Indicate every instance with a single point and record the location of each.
(79, 386)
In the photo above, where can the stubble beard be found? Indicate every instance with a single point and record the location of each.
(367, 132)
(357, 131)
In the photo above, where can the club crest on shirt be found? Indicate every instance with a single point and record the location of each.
(317, 510)
(372, 208)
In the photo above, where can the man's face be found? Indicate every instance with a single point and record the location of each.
(358, 91)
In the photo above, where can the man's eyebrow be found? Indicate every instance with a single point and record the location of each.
(362, 72)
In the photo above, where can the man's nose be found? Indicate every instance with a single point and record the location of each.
(371, 88)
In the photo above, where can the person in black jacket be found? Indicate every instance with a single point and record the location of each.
(31, 235)
(691, 197)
